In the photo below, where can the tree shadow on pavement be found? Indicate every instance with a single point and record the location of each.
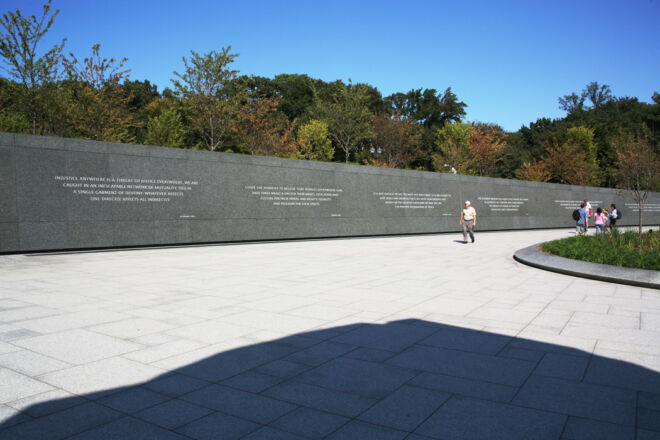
(406, 379)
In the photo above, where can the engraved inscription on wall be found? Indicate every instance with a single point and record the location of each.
(504, 204)
(650, 207)
(294, 196)
(404, 200)
(575, 204)
(126, 189)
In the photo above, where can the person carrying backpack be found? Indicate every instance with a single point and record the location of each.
(583, 222)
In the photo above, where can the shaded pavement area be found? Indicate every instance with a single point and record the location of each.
(384, 338)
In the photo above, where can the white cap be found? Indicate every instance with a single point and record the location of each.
(467, 202)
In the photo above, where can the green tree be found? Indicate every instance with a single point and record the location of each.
(166, 129)
(19, 41)
(583, 137)
(314, 141)
(348, 118)
(97, 108)
(452, 142)
(204, 87)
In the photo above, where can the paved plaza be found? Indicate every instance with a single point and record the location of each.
(417, 337)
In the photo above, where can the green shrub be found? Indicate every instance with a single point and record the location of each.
(628, 249)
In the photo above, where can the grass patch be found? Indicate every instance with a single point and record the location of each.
(628, 249)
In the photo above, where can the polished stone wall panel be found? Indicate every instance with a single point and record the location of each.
(70, 194)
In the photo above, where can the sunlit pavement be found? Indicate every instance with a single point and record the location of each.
(399, 337)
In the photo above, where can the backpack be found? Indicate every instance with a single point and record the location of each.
(618, 214)
(576, 215)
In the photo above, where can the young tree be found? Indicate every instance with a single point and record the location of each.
(19, 39)
(203, 86)
(486, 146)
(639, 168)
(166, 129)
(452, 140)
(98, 108)
(314, 141)
(584, 138)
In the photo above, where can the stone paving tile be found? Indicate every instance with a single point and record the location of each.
(268, 433)
(252, 382)
(11, 416)
(320, 353)
(464, 418)
(62, 424)
(163, 351)
(405, 408)
(218, 425)
(132, 399)
(77, 346)
(101, 376)
(395, 337)
(562, 366)
(26, 313)
(366, 431)
(479, 342)
(465, 387)
(622, 374)
(249, 406)
(131, 328)
(504, 371)
(174, 384)
(598, 402)
(173, 413)
(323, 399)
(367, 379)
(30, 363)
(585, 429)
(14, 386)
(68, 321)
(309, 423)
(56, 400)
(128, 428)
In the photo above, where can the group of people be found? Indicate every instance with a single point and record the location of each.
(603, 219)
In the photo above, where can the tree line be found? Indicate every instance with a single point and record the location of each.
(213, 107)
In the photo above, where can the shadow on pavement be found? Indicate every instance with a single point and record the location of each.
(406, 379)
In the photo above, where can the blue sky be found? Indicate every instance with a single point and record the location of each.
(508, 61)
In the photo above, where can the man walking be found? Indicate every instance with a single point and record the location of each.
(469, 221)
(583, 221)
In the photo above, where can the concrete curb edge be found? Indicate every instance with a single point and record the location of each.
(531, 256)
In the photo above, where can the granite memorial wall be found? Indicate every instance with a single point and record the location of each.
(59, 193)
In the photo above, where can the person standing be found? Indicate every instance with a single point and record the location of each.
(600, 219)
(468, 221)
(583, 221)
(614, 215)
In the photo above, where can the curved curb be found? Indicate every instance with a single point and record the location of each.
(531, 256)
